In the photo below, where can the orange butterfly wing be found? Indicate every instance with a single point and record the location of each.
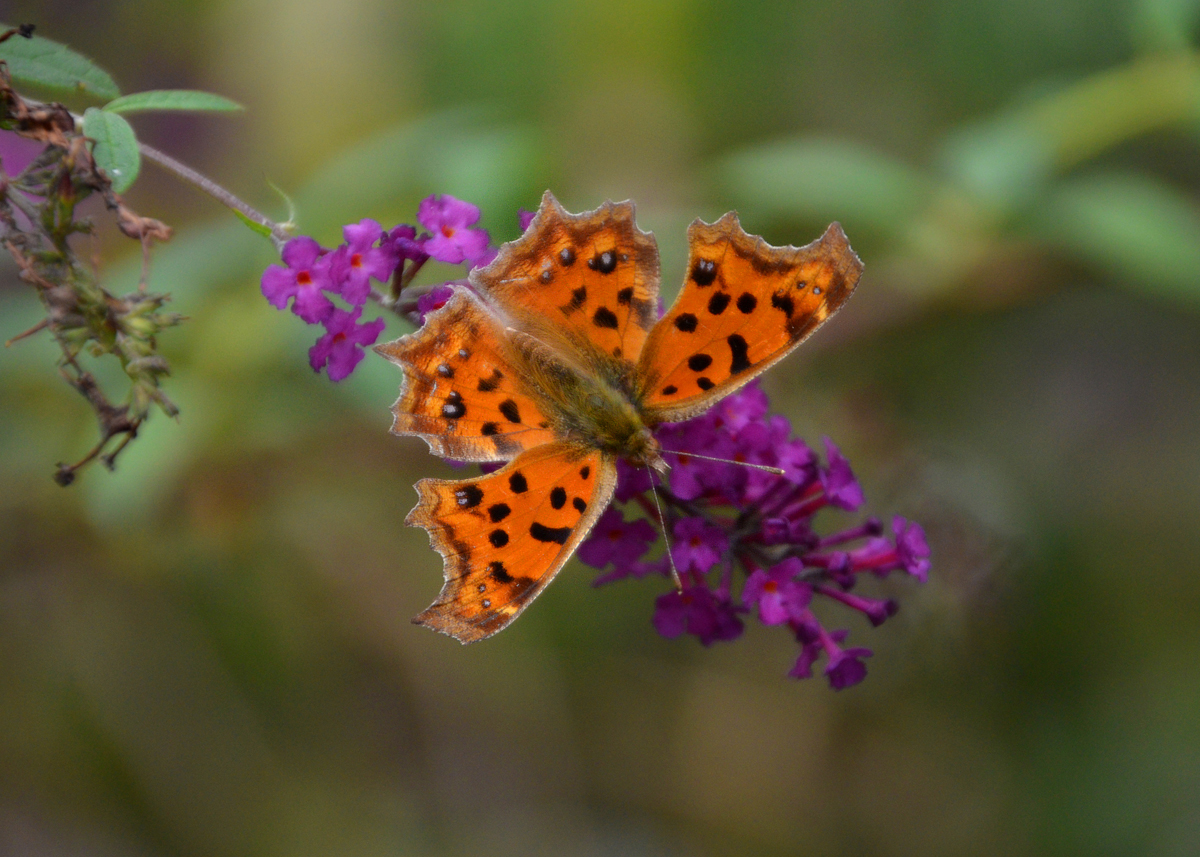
(504, 536)
(461, 393)
(588, 280)
(745, 305)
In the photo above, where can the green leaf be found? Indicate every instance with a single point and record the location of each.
(1139, 228)
(42, 63)
(254, 226)
(116, 150)
(825, 179)
(172, 99)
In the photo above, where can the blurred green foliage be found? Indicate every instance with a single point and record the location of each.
(208, 651)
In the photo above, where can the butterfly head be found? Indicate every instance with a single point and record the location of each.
(643, 450)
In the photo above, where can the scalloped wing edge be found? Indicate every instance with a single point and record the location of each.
(422, 516)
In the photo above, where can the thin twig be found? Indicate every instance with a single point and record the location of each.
(215, 191)
(37, 328)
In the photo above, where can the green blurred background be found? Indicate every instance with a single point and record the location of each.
(209, 653)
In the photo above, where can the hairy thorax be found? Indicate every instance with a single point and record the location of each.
(596, 405)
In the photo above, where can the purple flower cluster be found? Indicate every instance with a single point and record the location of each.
(726, 520)
(311, 276)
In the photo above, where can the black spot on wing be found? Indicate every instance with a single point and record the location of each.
(517, 483)
(491, 382)
(510, 410)
(498, 538)
(499, 573)
(718, 302)
(585, 472)
(454, 407)
(605, 317)
(686, 322)
(558, 497)
(468, 496)
(741, 353)
(499, 512)
(699, 362)
(625, 296)
(783, 303)
(489, 429)
(704, 272)
(704, 383)
(566, 256)
(605, 262)
(579, 504)
(746, 303)
(670, 390)
(542, 533)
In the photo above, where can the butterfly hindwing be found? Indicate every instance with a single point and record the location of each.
(744, 306)
(504, 536)
(460, 393)
(591, 278)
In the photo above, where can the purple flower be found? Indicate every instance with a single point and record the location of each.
(691, 475)
(436, 298)
(306, 274)
(809, 634)
(877, 610)
(406, 245)
(699, 611)
(341, 348)
(352, 265)
(841, 488)
(450, 220)
(698, 545)
(631, 481)
(912, 551)
(525, 217)
(779, 596)
(845, 667)
(909, 552)
(617, 541)
(735, 412)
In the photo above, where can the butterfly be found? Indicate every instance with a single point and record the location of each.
(556, 362)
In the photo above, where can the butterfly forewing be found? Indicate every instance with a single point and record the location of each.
(592, 276)
(505, 535)
(460, 392)
(744, 306)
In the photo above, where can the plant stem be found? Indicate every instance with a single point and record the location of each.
(215, 191)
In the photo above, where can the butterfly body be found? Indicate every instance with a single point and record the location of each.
(592, 400)
(557, 363)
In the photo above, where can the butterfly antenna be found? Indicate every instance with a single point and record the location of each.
(662, 522)
(778, 471)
